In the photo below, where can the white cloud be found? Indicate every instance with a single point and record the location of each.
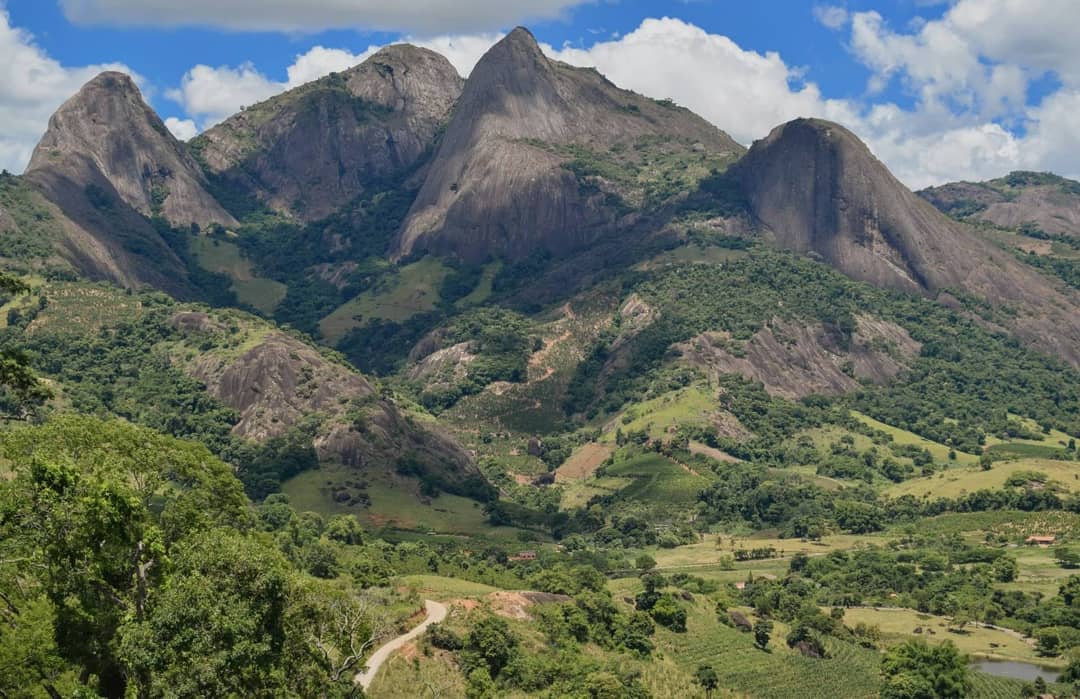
(462, 51)
(32, 86)
(183, 129)
(409, 16)
(949, 135)
(209, 94)
(743, 92)
(831, 16)
(970, 72)
(321, 61)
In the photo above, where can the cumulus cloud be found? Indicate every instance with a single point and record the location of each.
(951, 133)
(831, 16)
(32, 86)
(743, 92)
(970, 73)
(183, 129)
(408, 16)
(209, 94)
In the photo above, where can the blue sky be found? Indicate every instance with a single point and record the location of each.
(940, 90)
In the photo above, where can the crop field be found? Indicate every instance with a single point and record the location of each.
(226, 258)
(715, 545)
(958, 481)
(414, 289)
(80, 307)
(1013, 524)
(780, 673)
(581, 464)
(655, 478)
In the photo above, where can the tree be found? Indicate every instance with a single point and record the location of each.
(218, 628)
(707, 679)
(1048, 642)
(79, 504)
(918, 670)
(329, 630)
(479, 684)
(22, 392)
(645, 562)
(1066, 557)
(668, 613)
(762, 631)
(490, 644)
(1005, 569)
(1072, 672)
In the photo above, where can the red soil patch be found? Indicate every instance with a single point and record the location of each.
(705, 450)
(583, 462)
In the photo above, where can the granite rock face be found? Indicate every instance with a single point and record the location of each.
(313, 149)
(497, 185)
(814, 187)
(107, 131)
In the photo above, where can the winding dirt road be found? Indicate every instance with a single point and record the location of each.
(436, 612)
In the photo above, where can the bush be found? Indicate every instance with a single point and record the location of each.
(444, 638)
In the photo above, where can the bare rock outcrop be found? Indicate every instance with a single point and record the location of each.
(816, 188)
(313, 149)
(279, 380)
(794, 359)
(107, 131)
(1049, 202)
(498, 186)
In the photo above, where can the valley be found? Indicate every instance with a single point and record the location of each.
(652, 414)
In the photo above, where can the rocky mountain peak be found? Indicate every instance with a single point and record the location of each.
(516, 56)
(816, 188)
(309, 151)
(498, 184)
(106, 130)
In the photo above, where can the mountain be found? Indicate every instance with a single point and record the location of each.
(107, 163)
(532, 156)
(107, 133)
(313, 149)
(1040, 199)
(816, 189)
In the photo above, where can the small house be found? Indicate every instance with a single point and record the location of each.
(524, 556)
(1047, 540)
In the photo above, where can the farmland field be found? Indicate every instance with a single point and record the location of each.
(958, 481)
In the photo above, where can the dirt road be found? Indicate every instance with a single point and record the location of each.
(436, 612)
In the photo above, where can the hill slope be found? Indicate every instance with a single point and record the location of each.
(1049, 202)
(106, 131)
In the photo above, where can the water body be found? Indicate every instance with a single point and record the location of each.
(1015, 669)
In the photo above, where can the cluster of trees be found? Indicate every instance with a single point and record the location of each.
(131, 563)
(494, 660)
(944, 576)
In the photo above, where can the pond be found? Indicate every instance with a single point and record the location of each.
(1015, 669)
